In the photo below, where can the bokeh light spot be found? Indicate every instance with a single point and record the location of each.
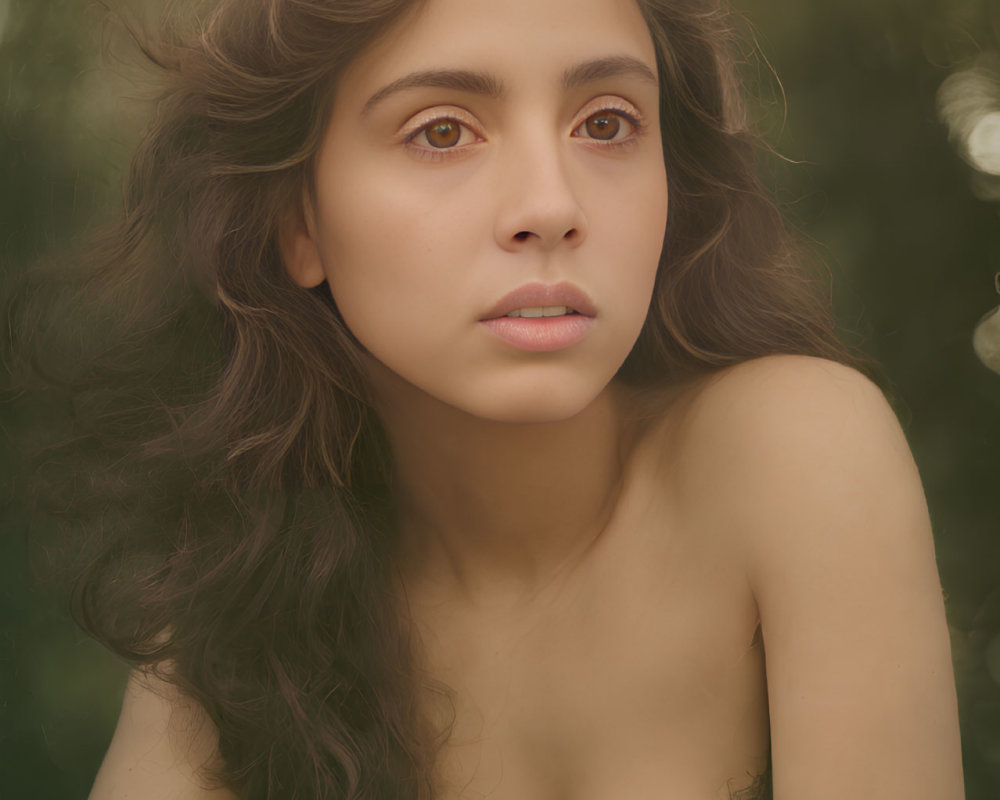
(984, 143)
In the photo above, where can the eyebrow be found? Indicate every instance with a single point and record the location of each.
(459, 79)
(483, 83)
(611, 67)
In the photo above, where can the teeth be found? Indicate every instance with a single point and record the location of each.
(537, 311)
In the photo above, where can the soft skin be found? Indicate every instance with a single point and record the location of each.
(418, 243)
(632, 674)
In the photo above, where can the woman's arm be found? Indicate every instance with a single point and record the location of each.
(161, 742)
(841, 562)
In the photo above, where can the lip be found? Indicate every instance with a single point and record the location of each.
(534, 295)
(540, 334)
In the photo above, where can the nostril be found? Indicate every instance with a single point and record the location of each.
(521, 236)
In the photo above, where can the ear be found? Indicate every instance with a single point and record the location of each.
(299, 245)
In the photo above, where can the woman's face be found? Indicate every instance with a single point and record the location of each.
(487, 158)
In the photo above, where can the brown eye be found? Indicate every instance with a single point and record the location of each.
(603, 126)
(443, 134)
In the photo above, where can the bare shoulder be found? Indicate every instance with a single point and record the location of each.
(806, 439)
(162, 743)
(753, 430)
(817, 486)
(775, 395)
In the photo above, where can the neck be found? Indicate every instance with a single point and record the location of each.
(493, 509)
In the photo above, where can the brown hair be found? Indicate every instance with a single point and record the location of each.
(224, 465)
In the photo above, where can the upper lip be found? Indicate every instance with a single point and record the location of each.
(541, 295)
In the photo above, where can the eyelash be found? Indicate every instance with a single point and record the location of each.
(632, 117)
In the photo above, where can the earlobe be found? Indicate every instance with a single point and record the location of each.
(299, 247)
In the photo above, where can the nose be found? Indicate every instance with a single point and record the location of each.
(538, 206)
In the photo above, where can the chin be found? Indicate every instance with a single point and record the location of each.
(542, 405)
(506, 397)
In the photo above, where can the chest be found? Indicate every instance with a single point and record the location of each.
(639, 677)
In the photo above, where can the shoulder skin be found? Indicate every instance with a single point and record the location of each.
(812, 477)
(160, 745)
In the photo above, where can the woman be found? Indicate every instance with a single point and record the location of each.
(524, 439)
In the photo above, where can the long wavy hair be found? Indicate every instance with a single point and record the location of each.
(220, 466)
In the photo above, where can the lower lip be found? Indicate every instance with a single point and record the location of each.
(541, 334)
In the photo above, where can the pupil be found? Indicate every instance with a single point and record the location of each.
(443, 134)
(605, 126)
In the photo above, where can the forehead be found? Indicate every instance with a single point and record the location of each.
(530, 40)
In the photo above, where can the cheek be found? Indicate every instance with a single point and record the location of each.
(639, 245)
(632, 241)
(377, 201)
(397, 262)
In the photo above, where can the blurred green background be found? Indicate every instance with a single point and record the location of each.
(871, 176)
